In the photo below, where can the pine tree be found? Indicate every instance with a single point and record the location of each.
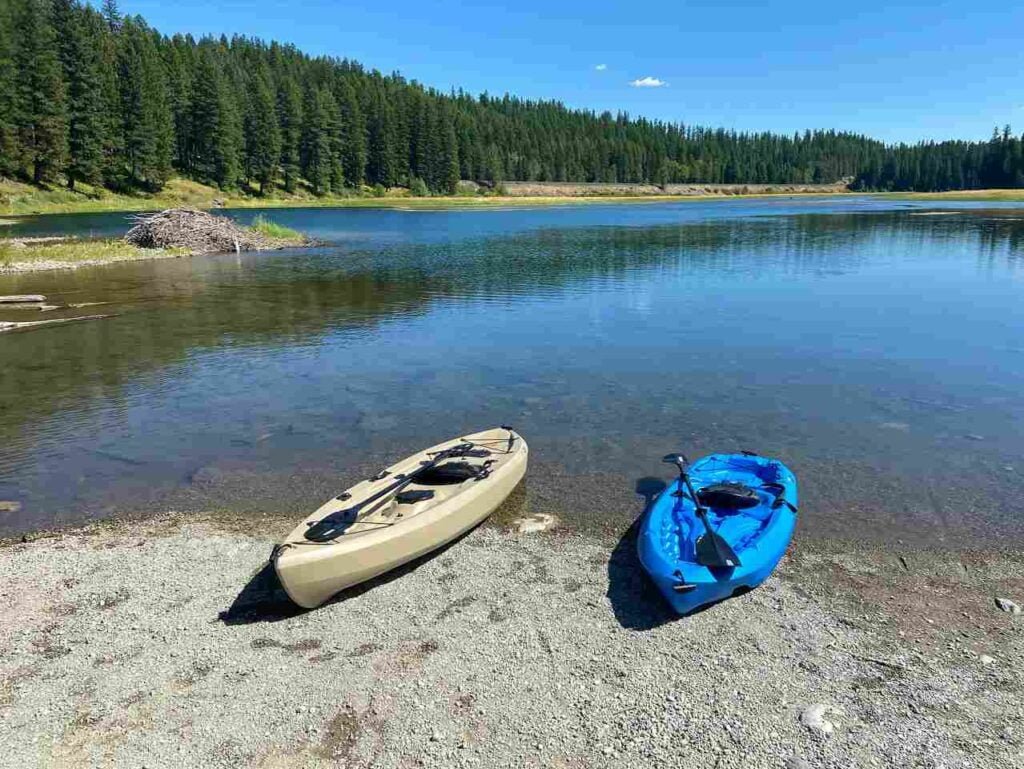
(112, 15)
(79, 53)
(262, 135)
(316, 141)
(381, 165)
(216, 128)
(10, 150)
(289, 118)
(448, 180)
(332, 125)
(112, 129)
(40, 93)
(176, 59)
(353, 130)
(146, 124)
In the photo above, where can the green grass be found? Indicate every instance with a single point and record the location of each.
(19, 199)
(269, 229)
(78, 251)
(1010, 196)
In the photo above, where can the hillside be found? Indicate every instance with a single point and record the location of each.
(90, 98)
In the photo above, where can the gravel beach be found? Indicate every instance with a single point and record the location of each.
(166, 643)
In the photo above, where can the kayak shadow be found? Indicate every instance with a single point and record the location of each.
(263, 599)
(635, 600)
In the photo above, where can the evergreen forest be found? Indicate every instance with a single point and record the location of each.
(90, 96)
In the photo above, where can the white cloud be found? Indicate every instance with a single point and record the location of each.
(601, 67)
(648, 82)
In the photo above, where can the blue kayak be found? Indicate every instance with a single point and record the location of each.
(750, 502)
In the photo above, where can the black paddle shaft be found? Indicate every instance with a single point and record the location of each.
(712, 549)
(328, 527)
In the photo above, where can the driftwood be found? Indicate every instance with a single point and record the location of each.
(198, 231)
(41, 307)
(10, 325)
(22, 298)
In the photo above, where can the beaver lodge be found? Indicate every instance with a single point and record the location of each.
(201, 232)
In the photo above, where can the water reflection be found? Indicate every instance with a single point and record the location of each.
(872, 350)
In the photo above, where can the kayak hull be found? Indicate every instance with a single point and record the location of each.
(759, 535)
(397, 532)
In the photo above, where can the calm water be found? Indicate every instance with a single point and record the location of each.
(876, 347)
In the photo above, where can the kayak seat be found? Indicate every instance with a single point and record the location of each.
(447, 474)
(729, 495)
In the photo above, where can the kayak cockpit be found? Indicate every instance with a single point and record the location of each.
(408, 489)
(759, 481)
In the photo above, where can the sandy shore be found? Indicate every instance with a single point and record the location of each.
(164, 644)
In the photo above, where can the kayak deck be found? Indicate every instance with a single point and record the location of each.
(759, 534)
(740, 528)
(411, 508)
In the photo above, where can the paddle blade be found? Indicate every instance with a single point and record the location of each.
(715, 553)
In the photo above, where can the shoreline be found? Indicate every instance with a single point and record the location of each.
(122, 204)
(30, 255)
(20, 199)
(162, 642)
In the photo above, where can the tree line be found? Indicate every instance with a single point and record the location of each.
(90, 96)
(948, 165)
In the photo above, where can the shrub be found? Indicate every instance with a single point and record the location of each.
(418, 188)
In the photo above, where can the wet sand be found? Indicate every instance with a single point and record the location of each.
(167, 643)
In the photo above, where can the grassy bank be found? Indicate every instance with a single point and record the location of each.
(16, 256)
(34, 254)
(1008, 196)
(18, 199)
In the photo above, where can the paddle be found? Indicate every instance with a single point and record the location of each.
(332, 525)
(712, 550)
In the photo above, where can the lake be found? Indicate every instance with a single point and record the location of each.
(875, 346)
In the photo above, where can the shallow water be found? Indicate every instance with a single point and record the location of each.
(876, 350)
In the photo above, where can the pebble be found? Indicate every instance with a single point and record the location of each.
(1008, 606)
(813, 717)
(534, 523)
(986, 660)
(662, 700)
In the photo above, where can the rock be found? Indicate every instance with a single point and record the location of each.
(814, 719)
(9, 506)
(534, 523)
(1005, 604)
(986, 660)
(901, 426)
(795, 762)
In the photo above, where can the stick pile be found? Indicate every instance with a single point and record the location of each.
(198, 231)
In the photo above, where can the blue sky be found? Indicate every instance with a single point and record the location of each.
(897, 71)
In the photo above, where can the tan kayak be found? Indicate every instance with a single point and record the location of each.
(409, 509)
